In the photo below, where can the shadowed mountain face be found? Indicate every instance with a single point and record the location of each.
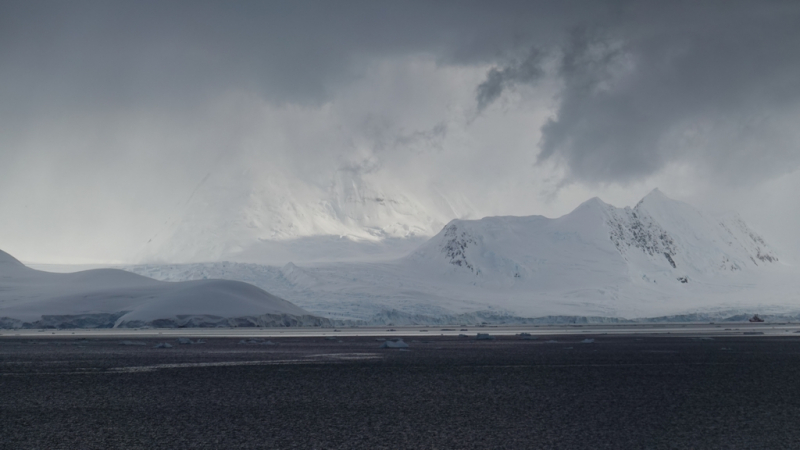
(116, 298)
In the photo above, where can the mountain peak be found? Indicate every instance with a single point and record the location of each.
(655, 194)
(656, 201)
(594, 202)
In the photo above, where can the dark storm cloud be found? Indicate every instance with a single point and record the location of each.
(93, 61)
(126, 53)
(634, 74)
(525, 71)
(115, 110)
(711, 84)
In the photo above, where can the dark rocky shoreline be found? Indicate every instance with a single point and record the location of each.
(444, 392)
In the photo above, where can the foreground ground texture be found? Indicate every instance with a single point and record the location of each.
(442, 392)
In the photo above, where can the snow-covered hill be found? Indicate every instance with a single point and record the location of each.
(661, 257)
(110, 297)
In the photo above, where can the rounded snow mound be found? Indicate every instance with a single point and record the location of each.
(111, 297)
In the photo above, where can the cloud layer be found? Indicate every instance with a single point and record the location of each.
(713, 86)
(112, 112)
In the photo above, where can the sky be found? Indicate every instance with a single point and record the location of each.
(112, 112)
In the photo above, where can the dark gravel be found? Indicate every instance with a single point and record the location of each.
(446, 392)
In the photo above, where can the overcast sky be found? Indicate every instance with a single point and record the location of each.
(112, 112)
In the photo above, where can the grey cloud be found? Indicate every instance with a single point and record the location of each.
(635, 75)
(385, 139)
(420, 140)
(108, 58)
(96, 54)
(110, 110)
(525, 71)
(708, 84)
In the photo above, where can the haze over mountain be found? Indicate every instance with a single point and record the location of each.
(661, 257)
(275, 220)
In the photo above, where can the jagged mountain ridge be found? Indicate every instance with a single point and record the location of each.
(658, 235)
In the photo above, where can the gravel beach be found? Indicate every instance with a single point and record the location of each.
(441, 392)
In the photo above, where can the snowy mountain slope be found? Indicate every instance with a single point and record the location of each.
(661, 257)
(267, 219)
(657, 236)
(707, 244)
(109, 297)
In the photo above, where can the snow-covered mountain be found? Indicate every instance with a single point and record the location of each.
(661, 257)
(275, 219)
(658, 240)
(110, 297)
